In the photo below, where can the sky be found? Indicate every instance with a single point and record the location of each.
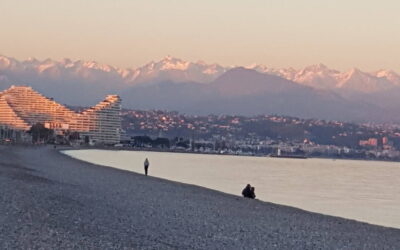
(278, 33)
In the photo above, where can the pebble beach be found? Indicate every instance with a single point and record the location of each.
(51, 201)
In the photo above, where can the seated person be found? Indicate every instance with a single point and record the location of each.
(252, 193)
(247, 191)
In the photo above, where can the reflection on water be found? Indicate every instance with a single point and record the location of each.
(363, 190)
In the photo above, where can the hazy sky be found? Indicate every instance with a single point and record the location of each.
(277, 33)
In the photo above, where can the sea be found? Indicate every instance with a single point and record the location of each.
(367, 191)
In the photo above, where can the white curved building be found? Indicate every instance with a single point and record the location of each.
(21, 107)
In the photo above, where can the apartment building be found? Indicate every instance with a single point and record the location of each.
(21, 107)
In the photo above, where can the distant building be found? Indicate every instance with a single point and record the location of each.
(21, 107)
(8, 134)
(371, 142)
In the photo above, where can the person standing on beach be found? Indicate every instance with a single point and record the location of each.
(146, 166)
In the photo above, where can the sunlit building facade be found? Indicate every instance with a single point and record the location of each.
(21, 107)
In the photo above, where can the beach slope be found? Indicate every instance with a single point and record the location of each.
(51, 201)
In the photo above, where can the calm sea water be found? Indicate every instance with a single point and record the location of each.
(367, 191)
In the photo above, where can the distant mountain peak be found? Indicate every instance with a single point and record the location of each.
(316, 67)
(359, 81)
(241, 69)
(385, 72)
(355, 71)
(390, 75)
(168, 57)
(171, 63)
(32, 59)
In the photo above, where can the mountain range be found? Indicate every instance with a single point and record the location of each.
(315, 91)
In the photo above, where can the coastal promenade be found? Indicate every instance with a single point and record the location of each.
(51, 201)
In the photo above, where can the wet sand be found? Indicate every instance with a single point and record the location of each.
(51, 201)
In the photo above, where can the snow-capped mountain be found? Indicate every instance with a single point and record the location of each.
(171, 69)
(88, 70)
(359, 81)
(320, 76)
(317, 76)
(176, 70)
(248, 92)
(288, 73)
(389, 75)
(174, 83)
(168, 69)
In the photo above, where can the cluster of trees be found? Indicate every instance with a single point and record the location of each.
(40, 133)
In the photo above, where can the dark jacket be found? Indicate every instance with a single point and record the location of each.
(247, 191)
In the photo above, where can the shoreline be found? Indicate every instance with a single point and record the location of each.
(210, 153)
(51, 200)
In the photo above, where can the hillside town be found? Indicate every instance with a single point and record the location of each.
(259, 135)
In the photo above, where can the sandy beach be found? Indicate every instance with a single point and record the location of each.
(51, 201)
